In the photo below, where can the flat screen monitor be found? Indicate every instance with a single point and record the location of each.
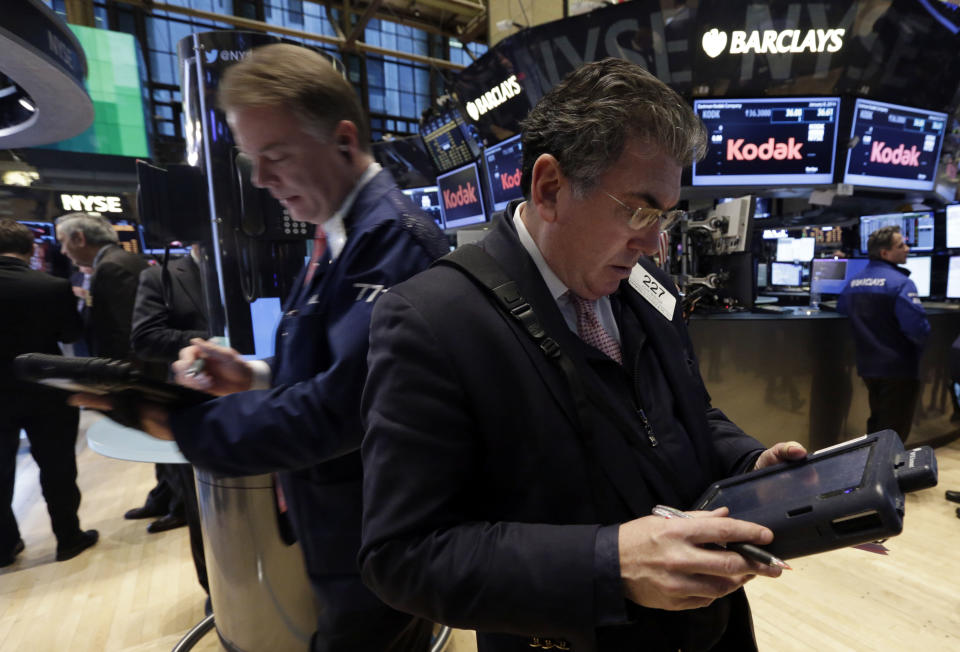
(916, 228)
(953, 278)
(831, 275)
(448, 139)
(427, 199)
(504, 162)
(44, 239)
(894, 146)
(953, 226)
(786, 274)
(461, 201)
(130, 235)
(919, 267)
(787, 141)
(763, 276)
(795, 249)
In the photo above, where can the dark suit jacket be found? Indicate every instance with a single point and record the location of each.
(166, 319)
(485, 506)
(113, 290)
(37, 310)
(308, 425)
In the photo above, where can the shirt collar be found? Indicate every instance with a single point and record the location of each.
(334, 227)
(103, 250)
(554, 284)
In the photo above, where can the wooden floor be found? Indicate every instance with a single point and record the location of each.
(135, 591)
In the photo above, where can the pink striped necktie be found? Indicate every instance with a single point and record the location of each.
(591, 331)
(319, 246)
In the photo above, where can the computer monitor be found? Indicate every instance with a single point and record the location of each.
(129, 234)
(461, 201)
(894, 146)
(953, 278)
(426, 199)
(448, 138)
(919, 267)
(763, 274)
(44, 239)
(953, 226)
(916, 228)
(831, 275)
(788, 275)
(504, 162)
(795, 249)
(767, 141)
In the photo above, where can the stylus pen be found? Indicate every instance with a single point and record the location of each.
(747, 550)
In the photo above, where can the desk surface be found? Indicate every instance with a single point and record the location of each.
(110, 439)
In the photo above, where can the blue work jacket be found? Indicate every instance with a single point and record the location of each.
(889, 323)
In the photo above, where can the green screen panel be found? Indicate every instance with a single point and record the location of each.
(119, 125)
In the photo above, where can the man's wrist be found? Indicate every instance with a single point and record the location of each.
(260, 374)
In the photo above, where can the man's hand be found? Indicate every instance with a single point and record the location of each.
(153, 417)
(664, 563)
(223, 371)
(785, 451)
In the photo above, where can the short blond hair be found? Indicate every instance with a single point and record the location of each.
(300, 79)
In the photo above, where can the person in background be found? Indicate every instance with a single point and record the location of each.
(168, 314)
(37, 311)
(91, 241)
(509, 490)
(303, 128)
(890, 329)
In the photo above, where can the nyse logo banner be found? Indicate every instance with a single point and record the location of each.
(91, 203)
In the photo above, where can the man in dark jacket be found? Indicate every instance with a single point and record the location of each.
(298, 414)
(890, 329)
(510, 494)
(38, 310)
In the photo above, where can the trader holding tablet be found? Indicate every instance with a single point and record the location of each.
(518, 438)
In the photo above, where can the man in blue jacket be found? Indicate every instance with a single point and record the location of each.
(890, 328)
(304, 130)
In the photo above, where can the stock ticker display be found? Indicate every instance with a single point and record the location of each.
(787, 141)
(894, 146)
(448, 140)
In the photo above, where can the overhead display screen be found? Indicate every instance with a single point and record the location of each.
(795, 249)
(767, 141)
(428, 200)
(504, 162)
(894, 146)
(953, 278)
(460, 198)
(448, 140)
(916, 228)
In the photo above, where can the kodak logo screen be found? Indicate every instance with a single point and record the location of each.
(768, 141)
(461, 199)
(894, 146)
(504, 162)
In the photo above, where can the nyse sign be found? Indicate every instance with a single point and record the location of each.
(91, 203)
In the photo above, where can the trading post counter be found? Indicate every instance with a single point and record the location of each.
(793, 375)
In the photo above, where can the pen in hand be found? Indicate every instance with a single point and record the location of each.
(747, 550)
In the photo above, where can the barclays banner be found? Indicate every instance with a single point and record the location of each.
(895, 50)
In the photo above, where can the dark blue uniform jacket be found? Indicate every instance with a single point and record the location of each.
(308, 425)
(889, 324)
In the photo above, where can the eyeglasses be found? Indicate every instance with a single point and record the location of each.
(641, 218)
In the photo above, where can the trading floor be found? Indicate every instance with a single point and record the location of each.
(137, 592)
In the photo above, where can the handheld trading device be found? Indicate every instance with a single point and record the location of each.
(840, 496)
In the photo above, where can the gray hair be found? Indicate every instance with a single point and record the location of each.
(586, 120)
(300, 79)
(879, 240)
(96, 229)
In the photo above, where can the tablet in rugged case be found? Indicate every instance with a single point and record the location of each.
(103, 376)
(840, 496)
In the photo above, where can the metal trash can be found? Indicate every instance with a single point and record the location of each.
(262, 599)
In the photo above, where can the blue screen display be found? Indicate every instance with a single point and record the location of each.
(831, 275)
(766, 141)
(894, 146)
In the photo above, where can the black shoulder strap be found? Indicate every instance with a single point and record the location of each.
(484, 270)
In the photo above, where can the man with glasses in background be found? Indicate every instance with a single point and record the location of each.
(508, 488)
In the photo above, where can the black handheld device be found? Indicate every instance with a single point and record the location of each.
(120, 380)
(840, 496)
